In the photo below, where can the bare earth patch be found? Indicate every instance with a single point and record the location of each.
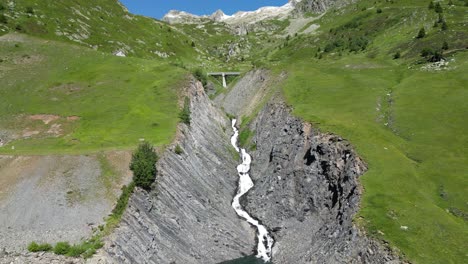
(55, 130)
(73, 118)
(44, 118)
(29, 133)
(67, 88)
(27, 59)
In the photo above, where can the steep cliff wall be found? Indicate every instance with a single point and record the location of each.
(307, 192)
(188, 217)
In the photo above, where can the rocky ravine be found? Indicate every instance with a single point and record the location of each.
(188, 217)
(306, 192)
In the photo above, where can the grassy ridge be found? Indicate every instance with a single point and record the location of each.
(103, 24)
(118, 100)
(408, 123)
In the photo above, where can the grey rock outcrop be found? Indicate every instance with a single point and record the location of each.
(319, 6)
(188, 217)
(246, 93)
(307, 192)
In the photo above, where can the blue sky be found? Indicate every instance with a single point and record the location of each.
(158, 8)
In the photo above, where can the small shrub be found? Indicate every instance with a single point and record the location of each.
(379, 10)
(3, 19)
(426, 52)
(431, 5)
(441, 19)
(193, 44)
(34, 247)
(61, 248)
(143, 165)
(436, 56)
(438, 8)
(200, 76)
(119, 208)
(29, 10)
(76, 250)
(184, 114)
(178, 150)
(397, 55)
(445, 46)
(421, 33)
(444, 26)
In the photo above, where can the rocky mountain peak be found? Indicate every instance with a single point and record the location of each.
(218, 15)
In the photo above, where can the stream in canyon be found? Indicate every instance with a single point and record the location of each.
(265, 241)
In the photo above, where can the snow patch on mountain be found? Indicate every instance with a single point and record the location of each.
(241, 17)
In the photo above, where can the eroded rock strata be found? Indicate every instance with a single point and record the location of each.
(306, 192)
(188, 217)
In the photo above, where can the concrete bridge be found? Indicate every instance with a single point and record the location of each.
(223, 74)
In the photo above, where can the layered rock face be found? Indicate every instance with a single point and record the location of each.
(307, 192)
(188, 217)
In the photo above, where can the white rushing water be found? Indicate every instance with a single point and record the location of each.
(265, 242)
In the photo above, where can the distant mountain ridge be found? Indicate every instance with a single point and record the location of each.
(241, 17)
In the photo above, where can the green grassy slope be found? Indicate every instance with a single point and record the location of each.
(409, 124)
(103, 24)
(118, 100)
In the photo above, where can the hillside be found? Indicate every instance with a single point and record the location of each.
(405, 116)
(60, 98)
(387, 76)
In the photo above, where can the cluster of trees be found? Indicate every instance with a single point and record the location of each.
(348, 37)
(351, 43)
(439, 10)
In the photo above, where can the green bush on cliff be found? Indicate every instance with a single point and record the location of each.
(184, 114)
(143, 165)
(35, 247)
(200, 76)
(61, 248)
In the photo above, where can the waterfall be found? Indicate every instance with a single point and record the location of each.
(265, 241)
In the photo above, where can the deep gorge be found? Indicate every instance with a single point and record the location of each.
(306, 192)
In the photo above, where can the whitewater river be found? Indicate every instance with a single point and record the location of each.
(265, 241)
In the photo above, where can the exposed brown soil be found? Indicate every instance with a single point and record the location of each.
(44, 118)
(73, 118)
